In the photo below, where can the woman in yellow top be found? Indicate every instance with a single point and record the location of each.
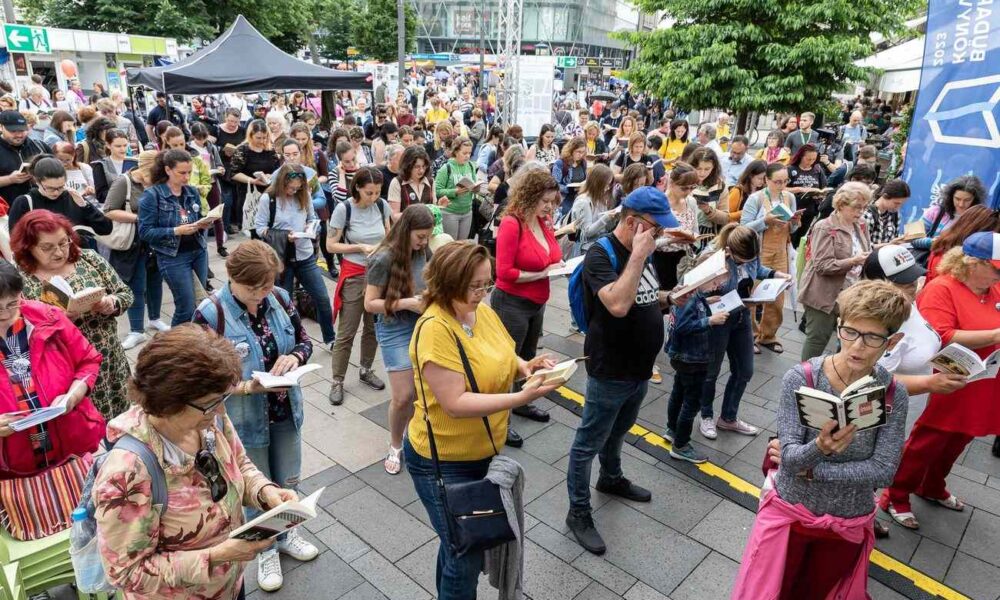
(469, 427)
(673, 146)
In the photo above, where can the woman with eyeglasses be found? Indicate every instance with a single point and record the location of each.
(261, 322)
(181, 382)
(394, 284)
(46, 361)
(813, 533)
(775, 233)
(52, 194)
(171, 222)
(45, 246)
(962, 304)
(774, 151)
(287, 221)
(457, 321)
(838, 246)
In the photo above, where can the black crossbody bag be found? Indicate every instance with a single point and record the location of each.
(474, 512)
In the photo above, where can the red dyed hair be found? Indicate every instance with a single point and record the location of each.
(30, 227)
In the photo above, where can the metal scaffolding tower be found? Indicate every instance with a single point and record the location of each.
(509, 50)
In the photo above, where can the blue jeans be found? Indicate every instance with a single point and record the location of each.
(393, 335)
(735, 339)
(280, 461)
(144, 285)
(456, 578)
(609, 411)
(176, 271)
(307, 272)
(685, 399)
(228, 193)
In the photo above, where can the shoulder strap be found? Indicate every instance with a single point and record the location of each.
(612, 255)
(347, 220)
(220, 316)
(473, 386)
(272, 209)
(145, 454)
(808, 368)
(423, 398)
(128, 193)
(285, 305)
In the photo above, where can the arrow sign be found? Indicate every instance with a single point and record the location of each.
(24, 38)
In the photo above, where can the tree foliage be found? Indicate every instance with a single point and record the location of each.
(749, 55)
(375, 29)
(334, 27)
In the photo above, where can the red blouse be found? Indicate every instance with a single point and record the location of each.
(949, 306)
(517, 251)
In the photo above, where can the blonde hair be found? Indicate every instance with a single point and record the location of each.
(852, 193)
(876, 300)
(957, 264)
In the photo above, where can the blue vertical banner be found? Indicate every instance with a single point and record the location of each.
(955, 122)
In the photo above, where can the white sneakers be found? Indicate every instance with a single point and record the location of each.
(158, 325)
(269, 577)
(134, 339)
(707, 428)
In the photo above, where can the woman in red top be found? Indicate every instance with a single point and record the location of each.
(975, 219)
(963, 305)
(526, 251)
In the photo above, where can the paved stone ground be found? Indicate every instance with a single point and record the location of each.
(685, 544)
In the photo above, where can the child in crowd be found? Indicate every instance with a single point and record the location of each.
(689, 349)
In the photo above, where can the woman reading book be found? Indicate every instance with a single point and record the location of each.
(182, 380)
(813, 532)
(263, 326)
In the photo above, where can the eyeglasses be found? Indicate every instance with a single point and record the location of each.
(872, 340)
(294, 174)
(207, 409)
(655, 226)
(484, 290)
(779, 181)
(208, 466)
(51, 248)
(9, 308)
(52, 189)
(687, 188)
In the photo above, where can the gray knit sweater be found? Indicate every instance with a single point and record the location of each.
(842, 484)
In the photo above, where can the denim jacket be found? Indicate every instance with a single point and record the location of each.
(160, 213)
(249, 413)
(689, 337)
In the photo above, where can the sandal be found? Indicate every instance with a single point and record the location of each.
(774, 347)
(951, 502)
(756, 348)
(905, 519)
(392, 463)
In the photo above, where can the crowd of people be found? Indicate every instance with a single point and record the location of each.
(441, 228)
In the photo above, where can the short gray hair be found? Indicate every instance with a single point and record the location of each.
(708, 129)
(392, 150)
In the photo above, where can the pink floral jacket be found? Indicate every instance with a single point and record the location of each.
(147, 556)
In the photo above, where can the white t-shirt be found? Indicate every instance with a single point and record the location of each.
(912, 354)
(80, 179)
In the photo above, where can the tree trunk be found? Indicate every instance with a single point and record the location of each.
(742, 122)
(328, 118)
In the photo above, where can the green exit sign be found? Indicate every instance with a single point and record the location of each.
(566, 62)
(25, 38)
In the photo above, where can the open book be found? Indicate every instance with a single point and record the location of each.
(36, 417)
(557, 374)
(289, 379)
(58, 292)
(568, 267)
(727, 303)
(768, 290)
(279, 519)
(469, 184)
(782, 212)
(959, 360)
(914, 231)
(862, 404)
(711, 268)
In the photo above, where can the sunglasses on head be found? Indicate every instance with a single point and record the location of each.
(294, 175)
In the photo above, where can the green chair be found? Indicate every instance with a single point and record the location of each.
(11, 587)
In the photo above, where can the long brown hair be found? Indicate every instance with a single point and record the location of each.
(308, 153)
(397, 242)
(528, 188)
(597, 187)
(277, 189)
(977, 218)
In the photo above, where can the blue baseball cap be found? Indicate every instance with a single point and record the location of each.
(650, 201)
(983, 245)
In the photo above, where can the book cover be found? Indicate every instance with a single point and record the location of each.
(768, 290)
(279, 519)
(782, 212)
(862, 406)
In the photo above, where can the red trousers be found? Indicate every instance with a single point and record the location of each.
(927, 459)
(817, 562)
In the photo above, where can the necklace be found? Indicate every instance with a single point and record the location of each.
(467, 329)
(833, 362)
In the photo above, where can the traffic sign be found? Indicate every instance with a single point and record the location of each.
(25, 38)
(352, 51)
(566, 62)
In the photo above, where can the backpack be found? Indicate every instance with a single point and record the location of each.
(578, 291)
(220, 315)
(380, 203)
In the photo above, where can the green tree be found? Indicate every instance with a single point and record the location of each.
(375, 29)
(748, 55)
(334, 26)
(168, 18)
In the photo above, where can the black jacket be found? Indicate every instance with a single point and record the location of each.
(88, 216)
(11, 158)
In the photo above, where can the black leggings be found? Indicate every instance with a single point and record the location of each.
(523, 320)
(665, 264)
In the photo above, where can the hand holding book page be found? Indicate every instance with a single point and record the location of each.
(35, 417)
(279, 519)
(862, 404)
(58, 292)
(557, 374)
(289, 379)
(768, 290)
(712, 267)
(959, 360)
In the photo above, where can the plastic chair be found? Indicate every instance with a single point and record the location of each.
(41, 561)
(11, 587)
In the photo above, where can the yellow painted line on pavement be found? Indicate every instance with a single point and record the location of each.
(922, 581)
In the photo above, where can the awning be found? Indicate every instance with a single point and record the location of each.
(896, 82)
(900, 65)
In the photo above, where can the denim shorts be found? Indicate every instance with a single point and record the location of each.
(393, 335)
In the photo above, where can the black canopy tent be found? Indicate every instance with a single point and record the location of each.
(242, 60)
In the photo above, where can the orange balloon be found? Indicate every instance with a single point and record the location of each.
(68, 68)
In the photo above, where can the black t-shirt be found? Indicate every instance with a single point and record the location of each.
(625, 159)
(387, 177)
(224, 137)
(624, 348)
(813, 178)
(159, 113)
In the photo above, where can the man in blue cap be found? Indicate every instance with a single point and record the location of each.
(625, 333)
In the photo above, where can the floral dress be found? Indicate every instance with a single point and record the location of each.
(110, 391)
